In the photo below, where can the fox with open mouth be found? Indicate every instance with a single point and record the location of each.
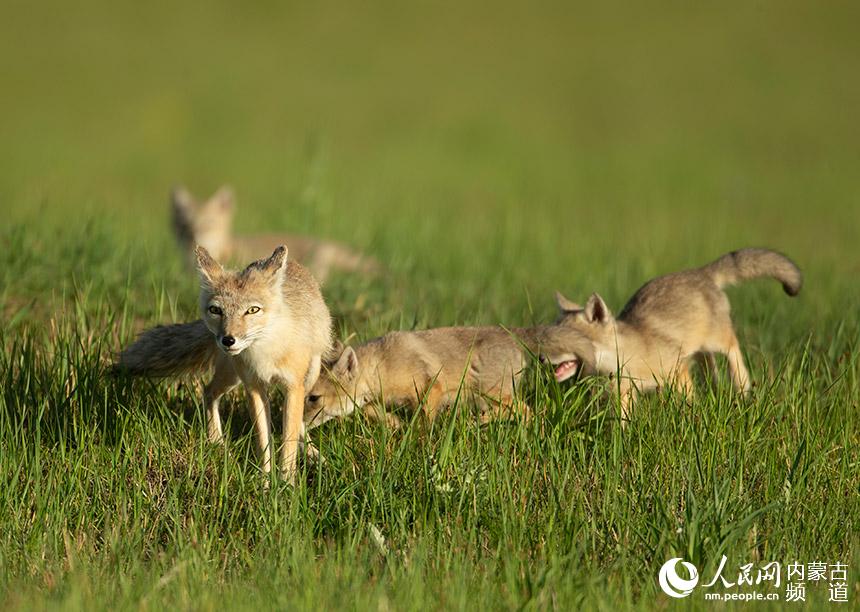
(672, 319)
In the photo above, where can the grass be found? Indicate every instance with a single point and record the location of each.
(488, 154)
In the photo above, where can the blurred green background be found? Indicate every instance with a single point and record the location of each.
(505, 145)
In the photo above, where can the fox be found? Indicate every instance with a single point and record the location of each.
(265, 324)
(210, 224)
(670, 321)
(431, 368)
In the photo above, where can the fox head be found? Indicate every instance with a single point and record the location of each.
(208, 224)
(594, 322)
(240, 307)
(567, 349)
(339, 390)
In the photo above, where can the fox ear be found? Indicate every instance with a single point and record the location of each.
(210, 270)
(565, 305)
(182, 201)
(336, 350)
(275, 265)
(346, 366)
(225, 199)
(183, 210)
(596, 310)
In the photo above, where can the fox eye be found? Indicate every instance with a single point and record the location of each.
(216, 311)
(253, 310)
(313, 399)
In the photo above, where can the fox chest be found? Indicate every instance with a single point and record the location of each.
(281, 365)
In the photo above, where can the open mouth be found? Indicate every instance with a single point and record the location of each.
(566, 369)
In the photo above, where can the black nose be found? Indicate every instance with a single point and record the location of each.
(228, 340)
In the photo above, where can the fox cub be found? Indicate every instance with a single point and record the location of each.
(432, 368)
(267, 323)
(670, 320)
(210, 225)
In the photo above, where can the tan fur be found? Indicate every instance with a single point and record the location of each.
(432, 368)
(169, 350)
(271, 325)
(671, 320)
(210, 225)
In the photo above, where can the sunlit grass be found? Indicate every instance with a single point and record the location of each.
(488, 156)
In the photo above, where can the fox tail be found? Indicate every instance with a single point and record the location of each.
(746, 264)
(168, 350)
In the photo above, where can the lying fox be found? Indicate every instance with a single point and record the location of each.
(210, 225)
(432, 368)
(670, 320)
(267, 323)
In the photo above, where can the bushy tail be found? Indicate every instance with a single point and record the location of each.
(168, 350)
(747, 264)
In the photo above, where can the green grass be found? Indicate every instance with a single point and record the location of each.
(488, 154)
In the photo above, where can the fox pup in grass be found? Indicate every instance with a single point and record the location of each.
(267, 323)
(672, 319)
(210, 225)
(432, 368)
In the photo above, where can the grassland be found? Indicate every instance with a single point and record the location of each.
(488, 154)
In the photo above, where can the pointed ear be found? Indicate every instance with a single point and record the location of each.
(565, 305)
(596, 310)
(182, 201)
(336, 350)
(224, 199)
(275, 266)
(210, 270)
(183, 210)
(346, 366)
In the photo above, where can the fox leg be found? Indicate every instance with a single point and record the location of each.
(379, 414)
(626, 394)
(683, 382)
(224, 379)
(737, 368)
(505, 407)
(293, 429)
(708, 364)
(434, 401)
(311, 451)
(499, 402)
(258, 407)
(313, 371)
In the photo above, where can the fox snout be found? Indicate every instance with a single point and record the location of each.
(231, 344)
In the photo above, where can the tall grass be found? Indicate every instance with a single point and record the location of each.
(488, 155)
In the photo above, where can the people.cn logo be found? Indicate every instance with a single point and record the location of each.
(672, 584)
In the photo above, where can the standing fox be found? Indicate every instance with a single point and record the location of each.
(431, 368)
(267, 323)
(210, 225)
(672, 319)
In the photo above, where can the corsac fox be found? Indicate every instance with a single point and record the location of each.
(210, 225)
(267, 323)
(672, 319)
(432, 368)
